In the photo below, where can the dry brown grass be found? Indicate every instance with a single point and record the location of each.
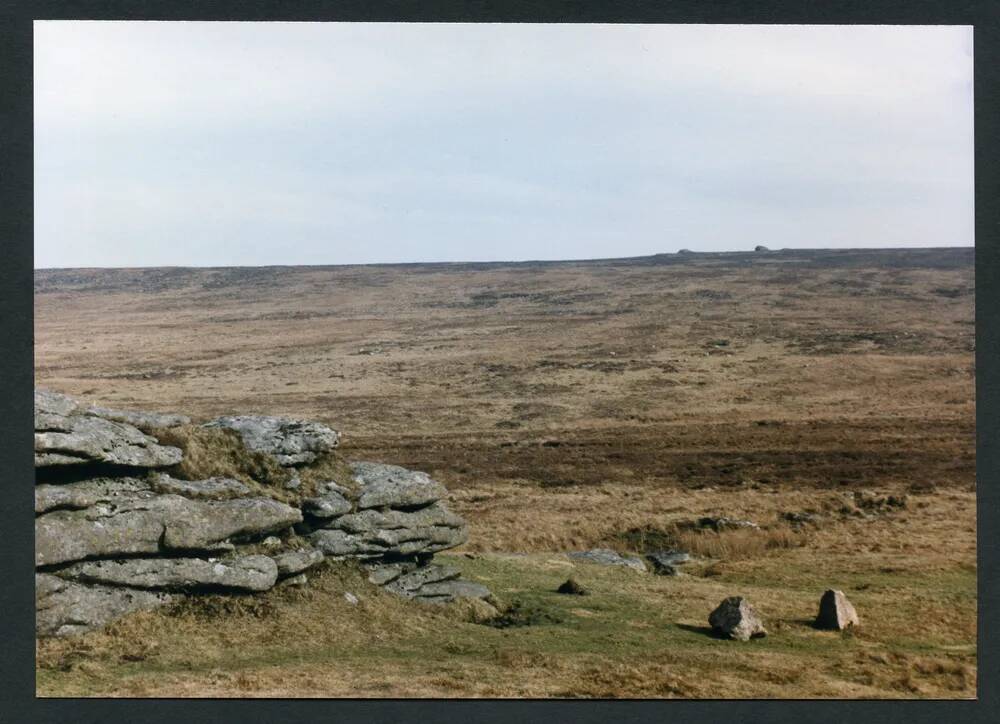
(567, 407)
(211, 452)
(739, 544)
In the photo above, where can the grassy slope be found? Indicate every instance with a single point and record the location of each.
(634, 636)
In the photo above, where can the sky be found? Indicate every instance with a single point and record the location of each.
(244, 144)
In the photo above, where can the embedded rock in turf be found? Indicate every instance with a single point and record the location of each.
(608, 557)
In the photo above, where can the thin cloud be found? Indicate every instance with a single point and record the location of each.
(262, 143)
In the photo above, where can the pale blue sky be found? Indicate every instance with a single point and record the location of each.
(296, 143)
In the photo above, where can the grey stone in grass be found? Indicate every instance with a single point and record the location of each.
(836, 612)
(415, 580)
(290, 442)
(735, 618)
(608, 557)
(299, 580)
(248, 573)
(65, 608)
(447, 591)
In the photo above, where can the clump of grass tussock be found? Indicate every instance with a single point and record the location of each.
(728, 544)
(740, 543)
(217, 452)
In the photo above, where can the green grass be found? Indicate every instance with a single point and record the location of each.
(634, 635)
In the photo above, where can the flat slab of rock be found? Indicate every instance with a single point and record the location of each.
(290, 442)
(447, 591)
(142, 420)
(372, 521)
(86, 493)
(836, 612)
(65, 608)
(161, 523)
(249, 573)
(390, 486)
(414, 581)
(382, 573)
(293, 562)
(735, 618)
(209, 489)
(608, 557)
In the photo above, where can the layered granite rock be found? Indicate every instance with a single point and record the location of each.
(290, 442)
(392, 512)
(158, 524)
(109, 544)
(68, 433)
(246, 573)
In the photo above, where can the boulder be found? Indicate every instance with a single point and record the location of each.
(836, 612)
(162, 523)
(290, 442)
(735, 618)
(607, 557)
(394, 487)
(294, 562)
(761, 247)
(64, 608)
(249, 573)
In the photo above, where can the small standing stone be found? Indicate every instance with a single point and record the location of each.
(836, 612)
(735, 618)
(572, 588)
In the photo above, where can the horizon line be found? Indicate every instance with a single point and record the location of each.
(680, 252)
